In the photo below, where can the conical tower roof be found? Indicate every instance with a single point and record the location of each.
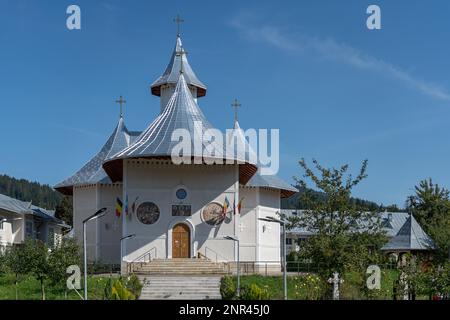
(92, 172)
(172, 72)
(181, 112)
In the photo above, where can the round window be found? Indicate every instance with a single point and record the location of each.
(213, 214)
(181, 194)
(147, 213)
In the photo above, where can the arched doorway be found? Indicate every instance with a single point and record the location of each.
(181, 241)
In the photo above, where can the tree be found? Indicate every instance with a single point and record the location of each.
(64, 210)
(430, 205)
(38, 254)
(60, 258)
(346, 236)
(19, 262)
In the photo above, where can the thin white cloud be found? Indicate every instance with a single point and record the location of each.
(331, 49)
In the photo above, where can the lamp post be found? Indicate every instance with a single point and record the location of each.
(283, 226)
(100, 213)
(130, 236)
(238, 289)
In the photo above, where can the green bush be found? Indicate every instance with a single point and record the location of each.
(134, 285)
(254, 292)
(227, 288)
(120, 292)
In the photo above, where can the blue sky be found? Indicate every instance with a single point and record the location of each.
(337, 91)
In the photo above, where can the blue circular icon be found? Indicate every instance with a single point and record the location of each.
(181, 194)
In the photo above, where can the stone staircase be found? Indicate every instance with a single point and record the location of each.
(181, 279)
(180, 287)
(179, 267)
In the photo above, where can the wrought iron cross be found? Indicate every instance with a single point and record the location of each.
(121, 101)
(178, 20)
(235, 105)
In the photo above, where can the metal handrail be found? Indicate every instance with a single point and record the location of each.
(143, 256)
(216, 254)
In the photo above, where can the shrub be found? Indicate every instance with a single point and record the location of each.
(120, 292)
(134, 285)
(227, 288)
(311, 285)
(254, 292)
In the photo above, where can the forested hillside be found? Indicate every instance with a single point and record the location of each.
(40, 195)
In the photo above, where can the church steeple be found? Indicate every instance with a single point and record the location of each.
(164, 86)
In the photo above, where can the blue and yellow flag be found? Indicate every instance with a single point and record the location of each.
(226, 204)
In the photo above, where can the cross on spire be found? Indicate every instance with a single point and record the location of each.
(235, 105)
(121, 101)
(178, 20)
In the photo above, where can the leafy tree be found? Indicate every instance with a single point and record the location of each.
(19, 262)
(38, 254)
(346, 236)
(60, 258)
(64, 210)
(430, 205)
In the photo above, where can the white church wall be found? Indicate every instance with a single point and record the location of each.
(84, 205)
(247, 223)
(157, 181)
(109, 227)
(268, 233)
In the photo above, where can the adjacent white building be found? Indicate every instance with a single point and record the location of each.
(175, 210)
(20, 220)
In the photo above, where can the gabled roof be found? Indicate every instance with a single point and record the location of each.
(402, 229)
(172, 72)
(93, 172)
(13, 205)
(181, 112)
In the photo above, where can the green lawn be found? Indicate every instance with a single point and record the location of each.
(29, 289)
(350, 289)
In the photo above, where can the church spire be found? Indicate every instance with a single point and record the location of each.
(121, 101)
(164, 86)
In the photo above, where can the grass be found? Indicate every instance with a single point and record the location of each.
(29, 288)
(298, 290)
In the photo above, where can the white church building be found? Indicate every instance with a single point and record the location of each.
(174, 210)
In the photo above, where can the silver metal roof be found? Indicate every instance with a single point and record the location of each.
(172, 72)
(181, 112)
(93, 172)
(13, 205)
(259, 180)
(402, 229)
(273, 182)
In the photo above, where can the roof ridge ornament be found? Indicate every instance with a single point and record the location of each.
(178, 20)
(121, 101)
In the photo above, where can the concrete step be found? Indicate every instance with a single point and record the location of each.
(180, 287)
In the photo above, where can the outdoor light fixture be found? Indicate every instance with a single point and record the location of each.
(100, 213)
(283, 226)
(238, 289)
(130, 236)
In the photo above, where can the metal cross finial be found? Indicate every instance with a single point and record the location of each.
(121, 101)
(180, 54)
(178, 20)
(235, 105)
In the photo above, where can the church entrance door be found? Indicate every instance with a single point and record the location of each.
(181, 242)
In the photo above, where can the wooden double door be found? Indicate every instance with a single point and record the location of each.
(181, 241)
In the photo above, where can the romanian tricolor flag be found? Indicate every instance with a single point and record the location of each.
(226, 204)
(126, 207)
(118, 207)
